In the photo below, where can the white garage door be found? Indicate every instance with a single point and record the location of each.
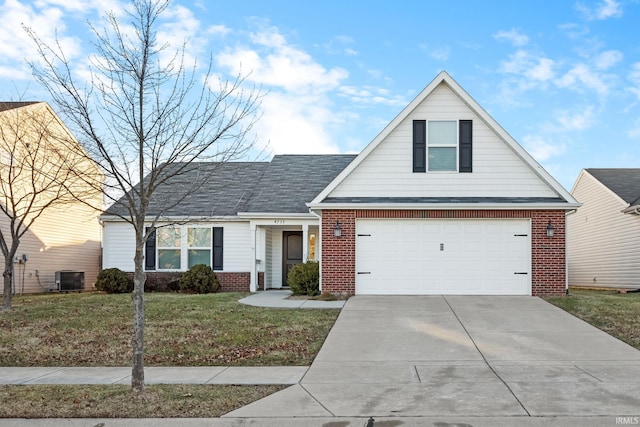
(464, 257)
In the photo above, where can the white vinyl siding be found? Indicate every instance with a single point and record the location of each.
(268, 259)
(603, 242)
(497, 170)
(119, 246)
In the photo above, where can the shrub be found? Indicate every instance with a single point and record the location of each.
(114, 281)
(304, 279)
(200, 279)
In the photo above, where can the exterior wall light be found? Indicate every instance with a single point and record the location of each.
(550, 229)
(337, 230)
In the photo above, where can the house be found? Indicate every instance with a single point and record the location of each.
(442, 201)
(603, 247)
(61, 250)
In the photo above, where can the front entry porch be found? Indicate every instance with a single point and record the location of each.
(279, 244)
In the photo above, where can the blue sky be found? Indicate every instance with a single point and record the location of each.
(562, 77)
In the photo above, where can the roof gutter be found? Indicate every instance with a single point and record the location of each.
(444, 206)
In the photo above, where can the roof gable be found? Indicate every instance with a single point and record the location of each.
(625, 183)
(453, 103)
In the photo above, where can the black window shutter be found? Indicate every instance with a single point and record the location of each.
(150, 251)
(217, 248)
(419, 146)
(466, 146)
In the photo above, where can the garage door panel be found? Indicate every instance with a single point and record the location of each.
(443, 257)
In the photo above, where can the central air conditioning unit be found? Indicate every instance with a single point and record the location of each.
(70, 280)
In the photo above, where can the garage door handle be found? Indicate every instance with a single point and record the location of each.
(520, 235)
(518, 272)
(364, 235)
(364, 272)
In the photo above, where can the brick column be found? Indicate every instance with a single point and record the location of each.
(548, 254)
(338, 273)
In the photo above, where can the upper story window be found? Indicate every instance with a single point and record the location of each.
(442, 145)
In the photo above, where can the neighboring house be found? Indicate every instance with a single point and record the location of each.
(442, 201)
(64, 238)
(604, 243)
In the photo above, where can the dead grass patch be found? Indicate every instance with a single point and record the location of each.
(93, 329)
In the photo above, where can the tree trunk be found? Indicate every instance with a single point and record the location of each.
(137, 340)
(7, 275)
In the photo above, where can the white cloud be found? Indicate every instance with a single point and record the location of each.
(218, 30)
(634, 78)
(581, 75)
(273, 62)
(579, 121)
(16, 45)
(542, 149)
(181, 28)
(512, 36)
(296, 125)
(529, 66)
(441, 54)
(608, 59)
(604, 10)
(341, 45)
(369, 95)
(297, 114)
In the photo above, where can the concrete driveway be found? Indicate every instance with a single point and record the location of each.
(461, 356)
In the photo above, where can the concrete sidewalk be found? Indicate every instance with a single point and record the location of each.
(278, 299)
(240, 375)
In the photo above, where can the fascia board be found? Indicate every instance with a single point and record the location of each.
(445, 206)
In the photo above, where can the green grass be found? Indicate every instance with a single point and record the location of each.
(118, 401)
(93, 329)
(616, 314)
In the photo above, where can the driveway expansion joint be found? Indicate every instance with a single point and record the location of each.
(485, 359)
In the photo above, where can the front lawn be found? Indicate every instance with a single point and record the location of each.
(616, 314)
(93, 329)
(117, 401)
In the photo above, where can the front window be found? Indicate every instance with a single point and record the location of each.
(442, 146)
(169, 248)
(199, 246)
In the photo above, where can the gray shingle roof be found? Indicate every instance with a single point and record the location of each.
(292, 181)
(4, 106)
(436, 200)
(283, 185)
(624, 182)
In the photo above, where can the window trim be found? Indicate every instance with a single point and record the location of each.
(158, 248)
(456, 146)
(196, 248)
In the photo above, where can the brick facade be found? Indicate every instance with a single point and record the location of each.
(168, 281)
(548, 259)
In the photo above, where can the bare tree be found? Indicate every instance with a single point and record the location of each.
(146, 117)
(38, 172)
